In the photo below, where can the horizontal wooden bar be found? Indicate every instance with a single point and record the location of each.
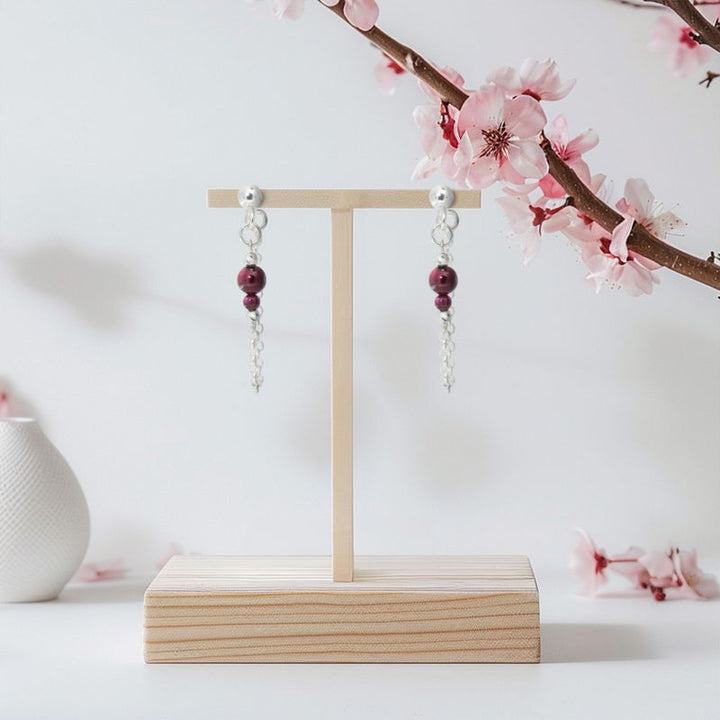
(341, 199)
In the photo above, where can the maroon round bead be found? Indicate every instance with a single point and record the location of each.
(251, 302)
(443, 279)
(443, 302)
(251, 279)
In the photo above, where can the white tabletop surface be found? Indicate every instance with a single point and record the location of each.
(81, 657)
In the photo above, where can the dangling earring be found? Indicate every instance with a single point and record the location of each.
(443, 279)
(251, 279)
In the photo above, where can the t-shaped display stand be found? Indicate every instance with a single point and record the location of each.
(365, 609)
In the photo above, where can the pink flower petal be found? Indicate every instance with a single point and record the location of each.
(557, 131)
(583, 143)
(695, 582)
(618, 245)
(530, 244)
(483, 110)
(482, 173)
(639, 198)
(524, 117)
(517, 212)
(507, 78)
(551, 188)
(527, 157)
(425, 167)
(659, 565)
(386, 78)
(363, 14)
(588, 564)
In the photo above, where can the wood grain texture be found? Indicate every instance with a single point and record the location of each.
(398, 609)
(342, 395)
(341, 199)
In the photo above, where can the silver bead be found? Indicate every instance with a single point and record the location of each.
(250, 196)
(442, 196)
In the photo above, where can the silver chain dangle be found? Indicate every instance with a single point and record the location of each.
(443, 278)
(252, 279)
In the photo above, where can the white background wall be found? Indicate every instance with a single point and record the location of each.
(122, 329)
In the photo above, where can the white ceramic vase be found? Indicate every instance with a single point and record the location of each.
(44, 522)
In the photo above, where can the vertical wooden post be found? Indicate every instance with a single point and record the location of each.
(342, 394)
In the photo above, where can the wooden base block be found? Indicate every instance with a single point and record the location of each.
(288, 609)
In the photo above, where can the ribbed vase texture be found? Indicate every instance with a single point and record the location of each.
(44, 522)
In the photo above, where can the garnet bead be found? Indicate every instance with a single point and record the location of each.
(251, 302)
(251, 279)
(443, 302)
(443, 279)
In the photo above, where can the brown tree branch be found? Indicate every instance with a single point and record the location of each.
(640, 240)
(705, 32)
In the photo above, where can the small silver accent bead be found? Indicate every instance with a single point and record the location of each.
(441, 196)
(250, 196)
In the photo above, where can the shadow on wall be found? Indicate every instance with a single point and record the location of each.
(96, 289)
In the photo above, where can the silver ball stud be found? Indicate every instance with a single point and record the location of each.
(250, 196)
(442, 196)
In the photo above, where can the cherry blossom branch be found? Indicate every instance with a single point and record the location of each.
(705, 32)
(586, 202)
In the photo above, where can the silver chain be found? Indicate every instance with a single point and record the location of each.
(256, 347)
(446, 222)
(251, 235)
(442, 233)
(447, 349)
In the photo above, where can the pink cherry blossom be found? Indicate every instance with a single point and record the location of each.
(438, 138)
(498, 138)
(437, 122)
(634, 273)
(363, 14)
(671, 35)
(538, 79)
(571, 151)
(639, 203)
(665, 573)
(588, 564)
(529, 222)
(695, 582)
(4, 405)
(96, 572)
(387, 72)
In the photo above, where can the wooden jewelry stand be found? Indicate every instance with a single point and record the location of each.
(364, 609)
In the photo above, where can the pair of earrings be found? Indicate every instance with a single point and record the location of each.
(443, 278)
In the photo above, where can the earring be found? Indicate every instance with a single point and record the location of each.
(251, 279)
(443, 279)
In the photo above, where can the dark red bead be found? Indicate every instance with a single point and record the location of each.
(443, 279)
(251, 302)
(443, 302)
(251, 279)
